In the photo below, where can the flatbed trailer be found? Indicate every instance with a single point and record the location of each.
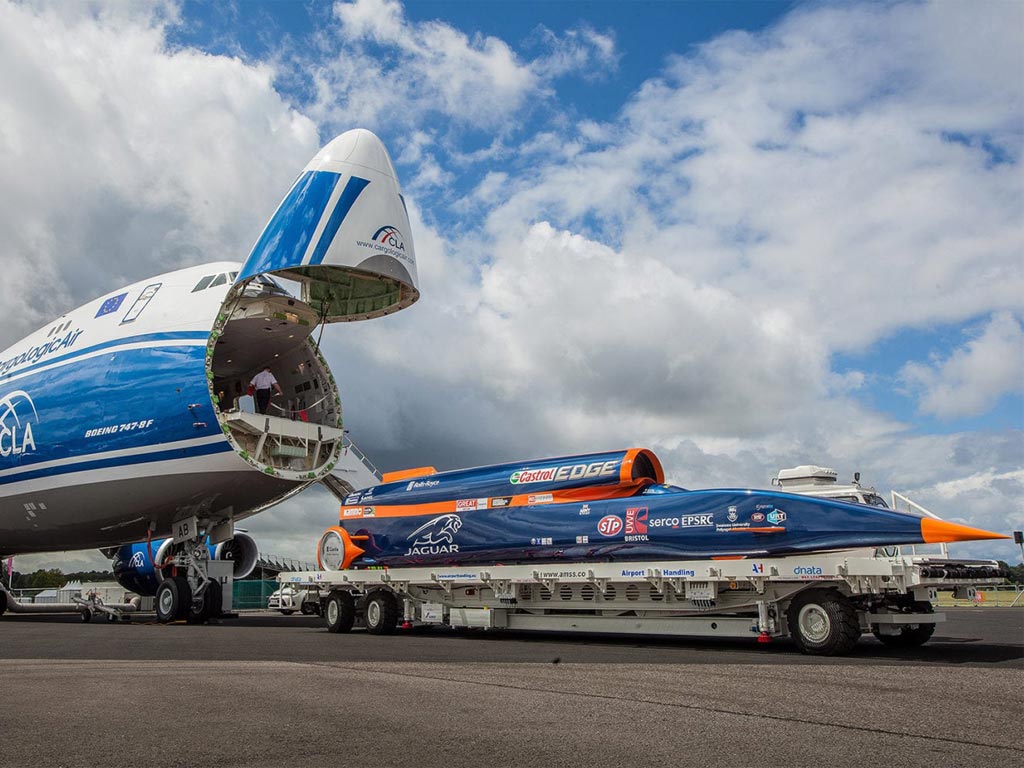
(823, 601)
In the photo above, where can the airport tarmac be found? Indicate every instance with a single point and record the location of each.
(268, 690)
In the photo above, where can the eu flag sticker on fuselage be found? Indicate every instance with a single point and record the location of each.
(111, 305)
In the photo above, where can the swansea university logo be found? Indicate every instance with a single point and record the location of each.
(17, 414)
(435, 537)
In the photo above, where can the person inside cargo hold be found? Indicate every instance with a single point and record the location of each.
(263, 382)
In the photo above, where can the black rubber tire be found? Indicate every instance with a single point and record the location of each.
(909, 637)
(184, 596)
(3, 602)
(85, 615)
(380, 614)
(214, 602)
(287, 613)
(173, 599)
(822, 622)
(340, 612)
(209, 607)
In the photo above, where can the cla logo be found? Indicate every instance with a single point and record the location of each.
(435, 537)
(16, 429)
(609, 525)
(138, 560)
(776, 516)
(389, 236)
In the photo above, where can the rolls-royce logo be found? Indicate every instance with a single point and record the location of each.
(17, 414)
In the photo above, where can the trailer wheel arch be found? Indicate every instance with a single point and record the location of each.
(339, 611)
(823, 622)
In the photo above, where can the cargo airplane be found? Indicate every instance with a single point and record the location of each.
(129, 420)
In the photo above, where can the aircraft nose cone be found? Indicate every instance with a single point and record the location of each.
(358, 147)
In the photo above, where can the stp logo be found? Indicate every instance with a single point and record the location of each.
(636, 520)
(609, 525)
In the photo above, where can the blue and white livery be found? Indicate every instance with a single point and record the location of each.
(130, 418)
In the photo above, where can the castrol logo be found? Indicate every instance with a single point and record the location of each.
(609, 525)
(566, 472)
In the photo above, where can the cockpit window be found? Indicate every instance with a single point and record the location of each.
(661, 488)
(204, 283)
(871, 499)
(219, 280)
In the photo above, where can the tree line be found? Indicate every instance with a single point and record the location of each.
(54, 578)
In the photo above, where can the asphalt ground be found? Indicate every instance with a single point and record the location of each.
(268, 690)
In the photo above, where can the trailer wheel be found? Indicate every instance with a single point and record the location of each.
(909, 637)
(340, 612)
(381, 613)
(823, 623)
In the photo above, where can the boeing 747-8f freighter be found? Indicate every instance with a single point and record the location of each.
(128, 419)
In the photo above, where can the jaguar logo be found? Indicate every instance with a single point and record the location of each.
(435, 537)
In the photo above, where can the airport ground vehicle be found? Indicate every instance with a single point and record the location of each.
(824, 601)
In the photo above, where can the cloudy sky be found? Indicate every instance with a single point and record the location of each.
(746, 235)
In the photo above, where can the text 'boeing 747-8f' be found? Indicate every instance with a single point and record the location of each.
(129, 419)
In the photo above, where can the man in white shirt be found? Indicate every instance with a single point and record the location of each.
(263, 381)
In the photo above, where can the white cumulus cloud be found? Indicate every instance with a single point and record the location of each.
(969, 381)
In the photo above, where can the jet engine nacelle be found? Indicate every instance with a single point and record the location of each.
(241, 550)
(134, 570)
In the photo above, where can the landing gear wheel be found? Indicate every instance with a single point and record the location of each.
(208, 607)
(381, 614)
(909, 636)
(823, 623)
(214, 603)
(340, 612)
(173, 599)
(85, 615)
(3, 602)
(287, 613)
